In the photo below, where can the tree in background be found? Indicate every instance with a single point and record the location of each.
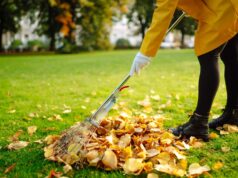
(10, 15)
(186, 27)
(47, 11)
(96, 22)
(141, 13)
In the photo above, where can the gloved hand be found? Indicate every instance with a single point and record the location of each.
(140, 61)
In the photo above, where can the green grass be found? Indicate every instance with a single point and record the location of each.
(52, 81)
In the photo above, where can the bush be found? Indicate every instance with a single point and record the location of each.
(67, 47)
(123, 44)
(36, 45)
(16, 45)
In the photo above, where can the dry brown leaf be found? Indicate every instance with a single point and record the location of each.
(51, 139)
(218, 165)
(55, 117)
(196, 169)
(31, 130)
(124, 141)
(16, 136)
(110, 159)
(54, 174)
(223, 132)
(10, 168)
(17, 145)
(91, 155)
(48, 152)
(230, 128)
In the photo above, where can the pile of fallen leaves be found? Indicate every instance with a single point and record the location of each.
(133, 144)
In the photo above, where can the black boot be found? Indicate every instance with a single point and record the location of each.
(229, 116)
(197, 126)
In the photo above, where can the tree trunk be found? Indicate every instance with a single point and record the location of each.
(182, 38)
(51, 29)
(1, 34)
(143, 27)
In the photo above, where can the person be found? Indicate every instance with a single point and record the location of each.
(215, 37)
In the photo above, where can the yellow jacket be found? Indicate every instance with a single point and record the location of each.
(218, 22)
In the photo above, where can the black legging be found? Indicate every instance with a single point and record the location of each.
(209, 76)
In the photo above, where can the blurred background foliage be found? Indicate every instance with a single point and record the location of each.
(77, 25)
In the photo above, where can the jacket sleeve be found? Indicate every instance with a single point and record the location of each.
(162, 17)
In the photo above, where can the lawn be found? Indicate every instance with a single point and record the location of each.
(45, 84)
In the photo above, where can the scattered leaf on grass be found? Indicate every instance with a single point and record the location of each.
(38, 141)
(155, 97)
(225, 149)
(67, 111)
(230, 128)
(11, 111)
(16, 136)
(10, 168)
(33, 115)
(218, 165)
(223, 132)
(55, 117)
(54, 174)
(17, 145)
(196, 169)
(31, 130)
(213, 135)
(145, 103)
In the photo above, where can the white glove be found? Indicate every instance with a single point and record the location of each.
(140, 61)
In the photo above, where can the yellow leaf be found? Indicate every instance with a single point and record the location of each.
(74, 148)
(31, 130)
(213, 135)
(52, 3)
(225, 149)
(133, 166)
(164, 157)
(67, 168)
(196, 169)
(48, 152)
(148, 166)
(11, 111)
(110, 159)
(218, 165)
